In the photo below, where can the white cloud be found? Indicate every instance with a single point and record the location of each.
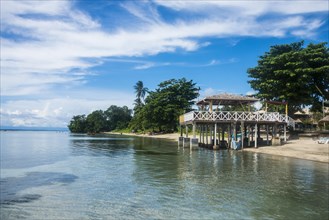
(220, 62)
(251, 93)
(253, 8)
(65, 37)
(213, 62)
(209, 92)
(144, 11)
(49, 45)
(57, 111)
(258, 105)
(144, 66)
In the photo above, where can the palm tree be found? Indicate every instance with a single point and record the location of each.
(140, 91)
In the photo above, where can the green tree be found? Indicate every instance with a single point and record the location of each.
(78, 124)
(140, 91)
(117, 117)
(138, 121)
(100, 121)
(292, 73)
(96, 122)
(171, 99)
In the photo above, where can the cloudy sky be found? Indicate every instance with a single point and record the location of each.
(62, 58)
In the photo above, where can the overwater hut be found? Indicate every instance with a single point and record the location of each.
(299, 125)
(302, 115)
(222, 128)
(324, 121)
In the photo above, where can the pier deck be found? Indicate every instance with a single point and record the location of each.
(233, 128)
(236, 116)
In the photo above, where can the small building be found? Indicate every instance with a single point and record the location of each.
(324, 121)
(235, 128)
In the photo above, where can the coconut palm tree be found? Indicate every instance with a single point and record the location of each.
(140, 91)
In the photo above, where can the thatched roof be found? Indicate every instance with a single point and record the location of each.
(325, 119)
(300, 113)
(227, 99)
(298, 121)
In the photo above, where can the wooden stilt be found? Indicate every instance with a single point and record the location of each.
(234, 132)
(229, 135)
(203, 131)
(186, 131)
(249, 133)
(218, 134)
(215, 147)
(256, 131)
(285, 132)
(193, 130)
(267, 141)
(207, 135)
(242, 134)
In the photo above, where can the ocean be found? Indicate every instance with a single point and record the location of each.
(60, 175)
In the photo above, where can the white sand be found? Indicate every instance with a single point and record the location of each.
(302, 149)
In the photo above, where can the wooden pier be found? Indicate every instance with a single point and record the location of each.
(232, 129)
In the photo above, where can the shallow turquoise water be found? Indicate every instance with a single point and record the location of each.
(52, 175)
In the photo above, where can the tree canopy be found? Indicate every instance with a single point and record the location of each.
(140, 91)
(164, 105)
(78, 124)
(117, 117)
(100, 121)
(293, 73)
(160, 111)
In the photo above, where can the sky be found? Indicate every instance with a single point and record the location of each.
(64, 58)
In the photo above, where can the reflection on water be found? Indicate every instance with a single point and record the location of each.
(122, 177)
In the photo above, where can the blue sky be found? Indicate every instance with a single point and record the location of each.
(63, 58)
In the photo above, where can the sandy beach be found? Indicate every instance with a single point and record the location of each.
(302, 149)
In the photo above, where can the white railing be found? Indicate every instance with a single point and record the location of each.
(236, 116)
(291, 122)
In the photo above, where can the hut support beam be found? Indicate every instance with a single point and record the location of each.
(203, 131)
(186, 131)
(267, 142)
(193, 129)
(249, 133)
(256, 131)
(206, 134)
(285, 132)
(215, 147)
(242, 134)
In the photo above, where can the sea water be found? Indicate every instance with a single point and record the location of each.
(59, 175)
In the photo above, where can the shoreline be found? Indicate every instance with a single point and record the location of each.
(171, 136)
(301, 149)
